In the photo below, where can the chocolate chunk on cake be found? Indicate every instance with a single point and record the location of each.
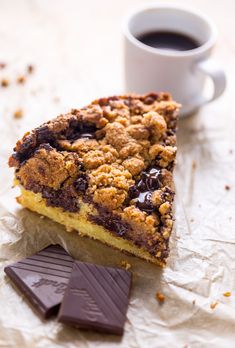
(106, 171)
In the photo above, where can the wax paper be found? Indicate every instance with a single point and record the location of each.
(200, 270)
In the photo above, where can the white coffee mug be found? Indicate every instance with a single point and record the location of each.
(182, 73)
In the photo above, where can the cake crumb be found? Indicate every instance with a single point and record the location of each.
(192, 220)
(69, 229)
(213, 305)
(2, 65)
(194, 164)
(42, 217)
(160, 297)
(194, 302)
(21, 80)
(5, 83)
(227, 187)
(30, 68)
(227, 294)
(125, 265)
(18, 114)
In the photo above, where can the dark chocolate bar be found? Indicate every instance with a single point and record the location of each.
(43, 278)
(96, 298)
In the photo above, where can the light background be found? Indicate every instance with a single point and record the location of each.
(76, 48)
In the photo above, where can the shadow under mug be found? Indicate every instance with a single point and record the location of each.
(182, 73)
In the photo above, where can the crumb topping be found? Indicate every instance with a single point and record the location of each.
(49, 168)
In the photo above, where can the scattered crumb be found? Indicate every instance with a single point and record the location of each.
(227, 294)
(21, 80)
(191, 220)
(30, 68)
(18, 114)
(2, 65)
(42, 217)
(213, 305)
(194, 164)
(69, 229)
(194, 302)
(227, 187)
(160, 297)
(5, 83)
(231, 151)
(125, 265)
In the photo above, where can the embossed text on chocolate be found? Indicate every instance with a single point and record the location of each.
(90, 307)
(59, 287)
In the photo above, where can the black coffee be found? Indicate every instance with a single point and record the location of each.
(168, 40)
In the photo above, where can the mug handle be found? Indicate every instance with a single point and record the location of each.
(210, 68)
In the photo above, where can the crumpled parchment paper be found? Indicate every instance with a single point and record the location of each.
(201, 266)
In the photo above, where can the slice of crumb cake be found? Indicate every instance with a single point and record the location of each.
(106, 171)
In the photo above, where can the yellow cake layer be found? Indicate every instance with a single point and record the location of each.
(79, 222)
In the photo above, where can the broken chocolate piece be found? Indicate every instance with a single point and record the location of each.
(142, 191)
(144, 202)
(96, 298)
(43, 278)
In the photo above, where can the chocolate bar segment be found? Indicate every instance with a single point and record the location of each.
(96, 298)
(43, 278)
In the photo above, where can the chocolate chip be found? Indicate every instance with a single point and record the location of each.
(46, 146)
(105, 101)
(133, 192)
(153, 179)
(141, 185)
(121, 230)
(149, 100)
(150, 180)
(144, 202)
(81, 183)
(81, 131)
(110, 221)
(115, 224)
(63, 198)
(87, 135)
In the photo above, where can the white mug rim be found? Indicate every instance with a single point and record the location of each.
(170, 53)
